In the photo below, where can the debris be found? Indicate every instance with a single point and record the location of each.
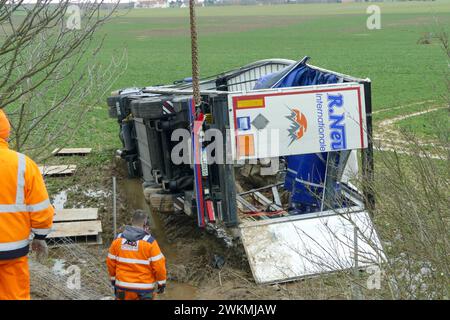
(220, 233)
(97, 193)
(218, 261)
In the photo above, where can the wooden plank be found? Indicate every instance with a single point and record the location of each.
(64, 215)
(75, 229)
(86, 240)
(76, 240)
(60, 170)
(71, 151)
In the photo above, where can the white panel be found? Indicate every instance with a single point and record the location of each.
(291, 249)
(300, 120)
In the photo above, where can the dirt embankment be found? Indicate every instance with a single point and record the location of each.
(192, 254)
(199, 265)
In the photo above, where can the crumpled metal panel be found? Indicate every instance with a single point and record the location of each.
(295, 247)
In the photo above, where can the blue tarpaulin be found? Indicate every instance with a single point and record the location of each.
(305, 173)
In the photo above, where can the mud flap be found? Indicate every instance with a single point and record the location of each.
(295, 247)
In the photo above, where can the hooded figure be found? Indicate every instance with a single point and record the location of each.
(25, 212)
(5, 127)
(135, 263)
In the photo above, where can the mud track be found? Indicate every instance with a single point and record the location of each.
(388, 138)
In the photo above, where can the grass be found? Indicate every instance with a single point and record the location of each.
(434, 124)
(401, 70)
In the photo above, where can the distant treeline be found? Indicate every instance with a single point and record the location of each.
(175, 3)
(253, 2)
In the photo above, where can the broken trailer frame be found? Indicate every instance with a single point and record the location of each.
(278, 249)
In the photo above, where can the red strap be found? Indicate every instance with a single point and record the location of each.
(264, 213)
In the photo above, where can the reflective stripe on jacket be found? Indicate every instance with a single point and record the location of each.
(24, 203)
(136, 265)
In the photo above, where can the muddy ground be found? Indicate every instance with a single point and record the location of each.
(191, 253)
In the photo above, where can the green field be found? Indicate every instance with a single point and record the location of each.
(433, 124)
(333, 35)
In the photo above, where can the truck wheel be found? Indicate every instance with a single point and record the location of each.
(147, 109)
(133, 169)
(111, 101)
(113, 112)
(149, 191)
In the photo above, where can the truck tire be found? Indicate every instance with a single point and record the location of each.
(149, 191)
(162, 202)
(147, 109)
(113, 112)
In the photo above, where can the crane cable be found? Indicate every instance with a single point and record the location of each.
(194, 54)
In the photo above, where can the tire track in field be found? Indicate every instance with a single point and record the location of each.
(385, 109)
(388, 138)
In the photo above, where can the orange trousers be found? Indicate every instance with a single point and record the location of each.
(14, 279)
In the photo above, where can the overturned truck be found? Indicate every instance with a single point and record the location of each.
(269, 157)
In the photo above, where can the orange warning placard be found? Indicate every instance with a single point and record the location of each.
(246, 145)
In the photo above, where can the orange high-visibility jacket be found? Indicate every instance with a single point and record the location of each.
(137, 266)
(24, 204)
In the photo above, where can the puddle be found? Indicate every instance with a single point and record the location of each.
(59, 267)
(97, 193)
(135, 197)
(179, 291)
(59, 200)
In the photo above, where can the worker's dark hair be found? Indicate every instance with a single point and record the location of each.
(139, 217)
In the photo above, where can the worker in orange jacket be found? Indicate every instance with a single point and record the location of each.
(135, 263)
(25, 210)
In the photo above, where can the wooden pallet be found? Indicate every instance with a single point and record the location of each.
(67, 215)
(79, 225)
(60, 170)
(71, 151)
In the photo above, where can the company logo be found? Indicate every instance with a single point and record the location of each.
(299, 124)
(336, 115)
(130, 245)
